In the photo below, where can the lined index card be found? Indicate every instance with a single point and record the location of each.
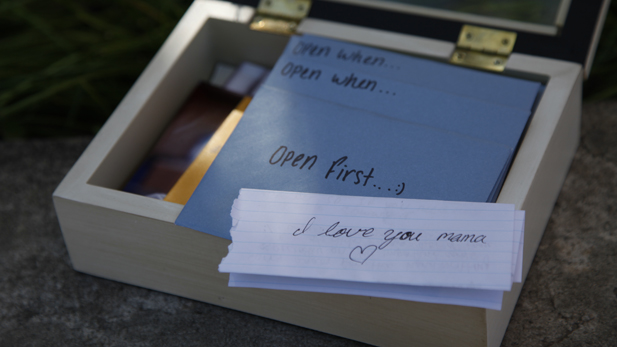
(373, 240)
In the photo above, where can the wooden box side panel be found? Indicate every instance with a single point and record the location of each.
(162, 256)
(555, 136)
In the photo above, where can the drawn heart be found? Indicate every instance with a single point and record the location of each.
(360, 255)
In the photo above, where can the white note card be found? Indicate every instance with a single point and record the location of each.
(423, 250)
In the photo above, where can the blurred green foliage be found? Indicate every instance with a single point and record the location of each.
(65, 64)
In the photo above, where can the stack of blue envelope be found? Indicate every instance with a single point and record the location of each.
(339, 118)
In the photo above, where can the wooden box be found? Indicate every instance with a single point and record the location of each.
(133, 239)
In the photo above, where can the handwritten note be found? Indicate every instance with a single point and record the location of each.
(489, 299)
(388, 241)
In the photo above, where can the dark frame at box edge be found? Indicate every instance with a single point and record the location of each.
(572, 43)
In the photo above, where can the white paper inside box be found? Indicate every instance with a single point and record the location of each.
(133, 239)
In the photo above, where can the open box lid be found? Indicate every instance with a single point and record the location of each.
(563, 29)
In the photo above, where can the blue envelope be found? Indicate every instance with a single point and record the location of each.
(479, 85)
(287, 141)
(376, 123)
(403, 101)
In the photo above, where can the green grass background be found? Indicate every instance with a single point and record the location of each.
(66, 64)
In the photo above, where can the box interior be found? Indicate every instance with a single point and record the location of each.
(217, 41)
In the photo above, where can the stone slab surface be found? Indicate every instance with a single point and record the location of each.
(569, 298)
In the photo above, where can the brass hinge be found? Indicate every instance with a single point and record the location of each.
(280, 16)
(483, 48)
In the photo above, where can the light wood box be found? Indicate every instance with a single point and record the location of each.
(133, 239)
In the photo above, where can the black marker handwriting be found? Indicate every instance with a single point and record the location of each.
(311, 49)
(305, 229)
(292, 70)
(472, 238)
(349, 232)
(338, 170)
(358, 57)
(401, 235)
(343, 177)
(361, 254)
(353, 82)
(286, 156)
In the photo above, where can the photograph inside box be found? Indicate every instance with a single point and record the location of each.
(194, 135)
